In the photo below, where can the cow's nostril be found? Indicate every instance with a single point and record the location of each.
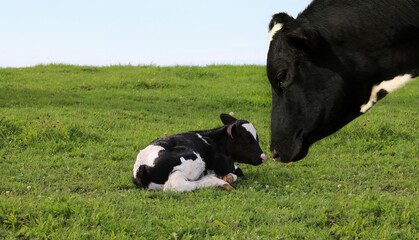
(275, 155)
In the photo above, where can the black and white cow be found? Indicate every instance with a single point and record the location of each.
(181, 162)
(333, 63)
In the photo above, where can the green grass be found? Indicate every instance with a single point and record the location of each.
(69, 136)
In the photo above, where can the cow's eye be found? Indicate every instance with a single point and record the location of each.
(281, 77)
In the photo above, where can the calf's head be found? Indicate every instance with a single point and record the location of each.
(244, 140)
(310, 97)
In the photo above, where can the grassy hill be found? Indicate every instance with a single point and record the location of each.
(69, 136)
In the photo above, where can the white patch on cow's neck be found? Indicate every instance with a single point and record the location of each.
(389, 86)
(249, 127)
(202, 138)
(146, 157)
(274, 30)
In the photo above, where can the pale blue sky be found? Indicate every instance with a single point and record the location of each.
(159, 32)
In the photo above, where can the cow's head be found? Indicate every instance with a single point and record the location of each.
(244, 141)
(310, 97)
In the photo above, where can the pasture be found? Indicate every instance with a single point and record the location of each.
(69, 136)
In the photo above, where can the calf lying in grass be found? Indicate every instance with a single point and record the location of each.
(183, 162)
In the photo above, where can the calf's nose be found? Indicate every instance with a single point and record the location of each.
(263, 157)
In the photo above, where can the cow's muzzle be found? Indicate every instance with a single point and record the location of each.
(289, 153)
(275, 155)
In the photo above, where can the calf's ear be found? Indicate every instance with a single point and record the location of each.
(227, 119)
(230, 130)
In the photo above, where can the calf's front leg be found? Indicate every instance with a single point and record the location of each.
(212, 181)
(229, 178)
(178, 182)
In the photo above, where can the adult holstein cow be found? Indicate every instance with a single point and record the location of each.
(334, 62)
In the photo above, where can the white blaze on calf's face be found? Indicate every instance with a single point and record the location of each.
(249, 127)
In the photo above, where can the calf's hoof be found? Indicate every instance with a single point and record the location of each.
(228, 178)
(227, 187)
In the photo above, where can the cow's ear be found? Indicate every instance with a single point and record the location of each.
(280, 18)
(227, 119)
(297, 34)
(303, 38)
(277, 23)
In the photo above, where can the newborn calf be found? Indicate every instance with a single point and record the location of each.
(182, 162)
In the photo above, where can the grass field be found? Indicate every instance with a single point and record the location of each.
(69, 136)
